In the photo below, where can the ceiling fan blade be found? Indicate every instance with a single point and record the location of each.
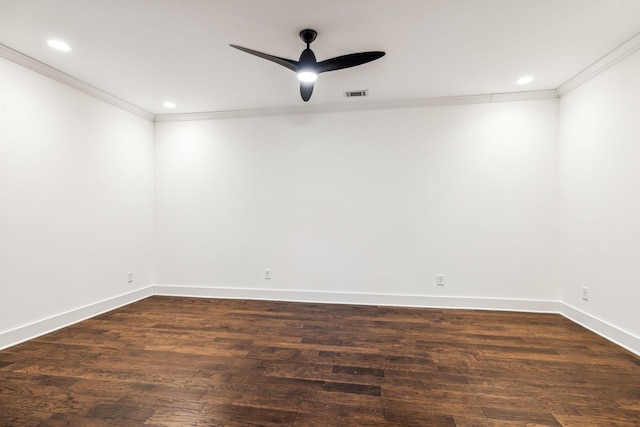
(346, 61)
(287, 63)
(306, 89)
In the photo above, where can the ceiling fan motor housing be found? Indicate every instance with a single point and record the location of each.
(308, 36)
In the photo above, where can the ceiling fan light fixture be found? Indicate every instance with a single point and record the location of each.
(307, 76)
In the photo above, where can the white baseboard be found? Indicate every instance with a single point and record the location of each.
(606, 330)
(45, 326)
(612, 333)
(600, 327)
(400, 300)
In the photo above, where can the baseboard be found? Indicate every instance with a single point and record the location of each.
(612, 333)
(606, 330)
(600, 327)
(400, 300)
(45, 326)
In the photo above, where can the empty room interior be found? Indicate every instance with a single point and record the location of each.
(434, 223)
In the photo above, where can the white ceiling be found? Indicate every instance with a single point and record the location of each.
(149, 51)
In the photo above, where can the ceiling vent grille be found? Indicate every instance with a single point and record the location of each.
(356, 93)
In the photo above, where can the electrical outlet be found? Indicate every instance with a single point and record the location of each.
(130, 277)
(585, 293)
(440, 279)
(267, 273)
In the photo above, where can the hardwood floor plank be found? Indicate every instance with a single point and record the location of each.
(70, 420)
(249, 415)
(11, 415)
(418, 418)
(526, 417)
(115, 412)
(166, 361)
(357, 370)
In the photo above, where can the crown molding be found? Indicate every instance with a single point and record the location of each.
(46, 70)
(53, 73)
(360, 106)
(619, 53)
(611, 58)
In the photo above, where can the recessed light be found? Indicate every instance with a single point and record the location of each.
(524, 80)
(59, 45)
(169, 104)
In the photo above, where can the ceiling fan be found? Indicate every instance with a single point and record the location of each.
(308, 68)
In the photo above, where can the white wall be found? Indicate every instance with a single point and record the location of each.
(600, 195)
(371, 202)
(76, 198)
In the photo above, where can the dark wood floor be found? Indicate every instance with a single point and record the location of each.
(197, 362)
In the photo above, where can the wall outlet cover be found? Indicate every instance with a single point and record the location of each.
(585, 293)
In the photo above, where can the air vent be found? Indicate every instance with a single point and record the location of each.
(356, 93)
